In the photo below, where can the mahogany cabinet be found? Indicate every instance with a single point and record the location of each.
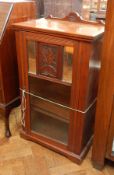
(10, 12)
(58, 61)
(103, 147)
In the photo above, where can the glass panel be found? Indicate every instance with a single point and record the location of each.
(31, 49)
(56, 92)
(53, 61)
(49, 120)
(67, 64)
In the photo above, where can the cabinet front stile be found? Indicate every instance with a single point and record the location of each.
(23, 76)
(74, 90)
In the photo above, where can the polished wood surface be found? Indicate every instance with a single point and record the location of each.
(75, 17)
(103, 139)
(21, 11)
(5, 10)
(77, 96)
(78, 30)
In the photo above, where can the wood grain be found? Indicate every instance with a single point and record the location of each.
(78, 30)
(105, 95)
(79, 94)
(5, 10)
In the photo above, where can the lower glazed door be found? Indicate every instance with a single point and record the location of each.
(49, 120)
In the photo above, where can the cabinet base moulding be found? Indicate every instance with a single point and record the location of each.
(70, 155)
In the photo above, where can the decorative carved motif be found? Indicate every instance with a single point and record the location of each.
(73, 17)
(48, 56)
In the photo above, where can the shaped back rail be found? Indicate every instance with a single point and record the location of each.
(75, 17)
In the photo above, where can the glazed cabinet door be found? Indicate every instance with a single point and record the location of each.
(49, 62)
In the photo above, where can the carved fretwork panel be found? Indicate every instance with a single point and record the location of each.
(49, 58)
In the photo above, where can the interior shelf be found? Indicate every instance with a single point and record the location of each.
(58, 93)
(31, 74)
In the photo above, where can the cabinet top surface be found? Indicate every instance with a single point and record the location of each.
(55, 26)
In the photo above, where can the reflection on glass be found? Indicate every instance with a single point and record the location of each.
(31, 49)
(67, 64)
(49, 120)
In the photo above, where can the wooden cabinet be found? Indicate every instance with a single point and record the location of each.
(10, 12)
(58, 66)
(103, 146)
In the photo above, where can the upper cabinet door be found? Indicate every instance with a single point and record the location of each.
(53, 59)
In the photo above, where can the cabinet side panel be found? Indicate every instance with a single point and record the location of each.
(94, 69)
(80, 76)
(84, 92)
(9, 66)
